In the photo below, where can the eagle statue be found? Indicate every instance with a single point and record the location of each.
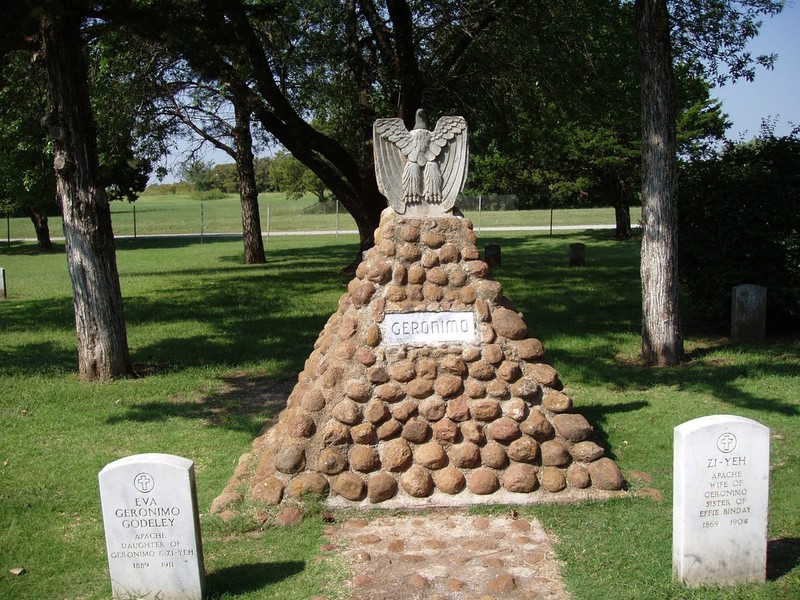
(421, 172)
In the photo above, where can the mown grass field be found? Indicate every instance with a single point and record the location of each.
(205, 330)
(190, 214)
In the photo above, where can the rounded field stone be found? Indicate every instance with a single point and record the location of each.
(520, 478)
(525, 388)
(378, 375)
(448, 385)
(554, 454)
(437, 275)
(537, 426)
(523, 450)
(483, 481)
(481, 370)
(605, 475)
(363, 458)
(373, 336)
(269, 491)
(290, 460)
(365, 356)
(503, 430)
(502, 584)
(313, 400)
(403, 371)
(465, 455)
(509, 324)
(430, 455)
(417, 482)
(449, 480)
(544, 374)
(493, 354)
(471, 353)
(419, 388)
(472, 431)
(363, 433)
(497, 388)
(311, 484)
(416, 430)
(344, 351)
(426, 368)
(485, 409)
(301, 425)
(381, 487)
(509, 371)
(416, 275)
(516, 409)
(350, 486)
(396, 455)
(405, 410)
(335, 433)
(475, 389)
(458, 409)
(432, 408)
(347, 412)
(448, 253)
(578, 476)
(389, 429)
(376, 412)
(358, 390)
(453, 365)
(529, 349)
(445, 431)
(389, 392)
(552, 479)
(573, 427)
(331, 461)
(362, 294)
(494, 455)
(556, 402)
(586, 451)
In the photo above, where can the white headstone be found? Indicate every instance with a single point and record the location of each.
(152, 528)
(720, 500)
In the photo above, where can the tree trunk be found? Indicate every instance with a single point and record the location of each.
(91, 254)
(42, 229)
(662, 341)
(622, 217)
(248, 190)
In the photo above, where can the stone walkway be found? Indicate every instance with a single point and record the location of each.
(448, 556)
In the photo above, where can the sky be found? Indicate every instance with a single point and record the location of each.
(773, 93)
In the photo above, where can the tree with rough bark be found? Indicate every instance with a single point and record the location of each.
(89, 239)
(708, 35)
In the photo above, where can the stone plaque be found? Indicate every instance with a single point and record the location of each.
(429, 327)
(720, 500)
(152, 528)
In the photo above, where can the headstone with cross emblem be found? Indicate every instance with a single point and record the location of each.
(152, 528)
(720, 500)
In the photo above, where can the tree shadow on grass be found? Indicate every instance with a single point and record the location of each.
(243, 402)
(783, 555)
(598, 414)
(242, 579)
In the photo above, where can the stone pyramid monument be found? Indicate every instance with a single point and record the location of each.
(425, 387)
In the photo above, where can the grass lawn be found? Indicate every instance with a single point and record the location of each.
(188, 214)
(205, 329)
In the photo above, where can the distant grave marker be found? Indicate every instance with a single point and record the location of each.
(720, 500)
(748, 313)
(152, 528)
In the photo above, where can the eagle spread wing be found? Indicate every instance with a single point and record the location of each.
(419, 166)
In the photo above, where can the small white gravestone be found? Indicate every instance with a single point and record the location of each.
(720, 500)
(152, 528)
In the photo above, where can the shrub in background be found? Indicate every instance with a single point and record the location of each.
(739, 219)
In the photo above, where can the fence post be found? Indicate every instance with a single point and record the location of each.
(202, 224)
(337, 220)
(134, 221)
(480, 210)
